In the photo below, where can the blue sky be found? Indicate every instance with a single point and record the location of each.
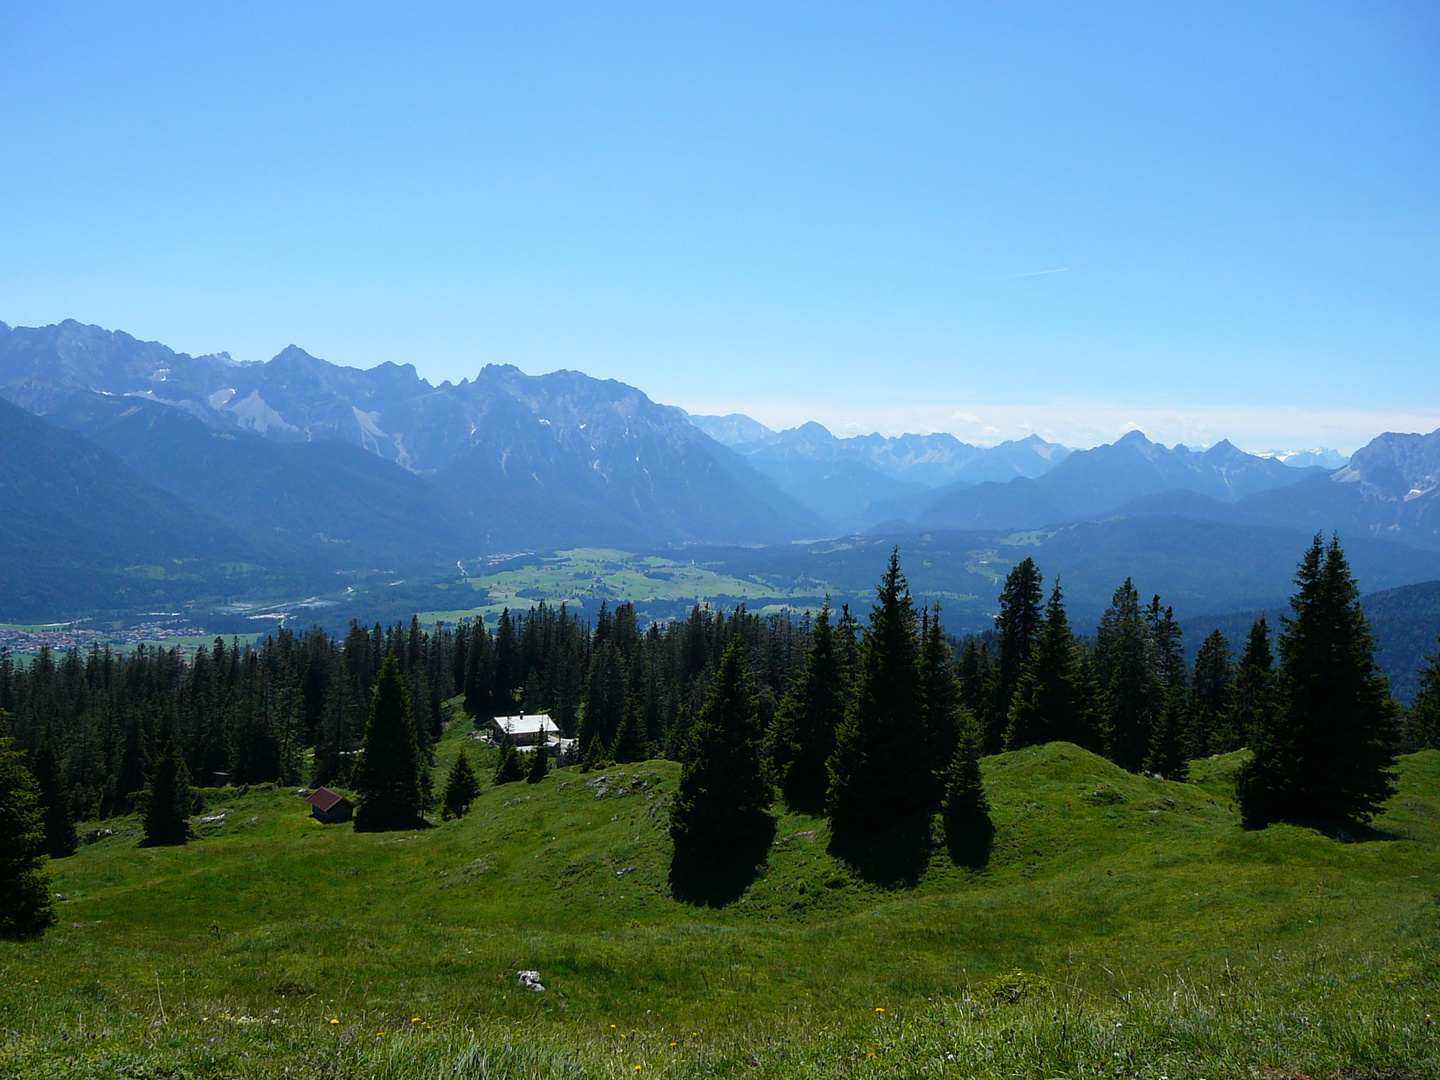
(845, 213)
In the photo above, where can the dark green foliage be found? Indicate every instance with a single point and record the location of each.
(1422, 719)
(629, 743)
(26, 906)
(387, 779)
(1211, 699)
(1167, 757)
(539, 764)
(722, 802)
(876, 773)
(802, 736)
(1325, 750)
(940, 705)
(61, 837)
(1017, 629)
(1254, 686)
(1052, 701)
(509, 768)
(461, 788)
(1127, 671)
(966, 810)
(168, 798)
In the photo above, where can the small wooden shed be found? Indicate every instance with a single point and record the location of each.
(329, 806)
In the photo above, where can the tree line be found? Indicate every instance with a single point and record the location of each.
(869, 725)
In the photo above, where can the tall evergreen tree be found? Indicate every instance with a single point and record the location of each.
(1325, 750)
(939, 703)
(387, 778)
(1211, 697)
(1051, 702)
(461, 788)
(61, 838)
(168, 798)
(1422, 719)
(873, 772)
(1130, 688)
(1017, 629)
(26, 906)
(722, 803)
(1254, 686)
(802, 736)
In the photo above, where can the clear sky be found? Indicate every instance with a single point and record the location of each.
(1205, 220)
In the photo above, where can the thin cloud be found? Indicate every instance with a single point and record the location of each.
(1034, 273)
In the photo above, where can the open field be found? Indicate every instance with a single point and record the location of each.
(583, 578)
(1151, 936)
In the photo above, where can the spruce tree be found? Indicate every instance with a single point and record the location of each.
(1017, 629)
(26, 905)
(1211, 697)
(1051, 703)
(966, 810)
(461, 788)
(168, 799)
(1325, 750)
(630, 738)
(1166, 756)
(1254, 685)
(940, 705)
(61, 838)
(802, 736)
(875, 771)
(539, 764)
(1422, 719)
(508, 768)
(387, 778)
(722, 803)
(1128, 674)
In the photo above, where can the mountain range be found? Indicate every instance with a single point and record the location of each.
(300, 469)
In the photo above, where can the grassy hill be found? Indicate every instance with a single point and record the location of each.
(1122, 926)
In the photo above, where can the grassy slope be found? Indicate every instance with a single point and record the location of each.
(1128, 900)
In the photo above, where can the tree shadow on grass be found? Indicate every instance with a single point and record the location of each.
(717, 874)
(892, 858)
(972, 846)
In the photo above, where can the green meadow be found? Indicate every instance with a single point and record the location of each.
(586, 577)
(1121, 926)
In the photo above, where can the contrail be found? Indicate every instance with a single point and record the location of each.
(1035, 273)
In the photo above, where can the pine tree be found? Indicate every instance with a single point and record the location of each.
(387, 778)
(722, 804)
(802, 736)
(461, 788)
(1422, 719)
(26, 905)
(539, 764)
(509, 768)
(1127, 670)
(168, 798)
(1211, 697)
(940, 706)
(61, 838)
(966, 810)
(1051, 702)
(1017, 629)
(873, 772)
(1325, 750)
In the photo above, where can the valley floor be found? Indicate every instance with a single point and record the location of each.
(1122, 926)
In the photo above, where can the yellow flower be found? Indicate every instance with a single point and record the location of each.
(879, 1010)
(333, 1020)
(674, 1043)
(414, 1019)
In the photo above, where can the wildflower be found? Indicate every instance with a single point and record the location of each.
(674, 1043)
(878, 1009)
(414, 1019)
(333, 1020)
